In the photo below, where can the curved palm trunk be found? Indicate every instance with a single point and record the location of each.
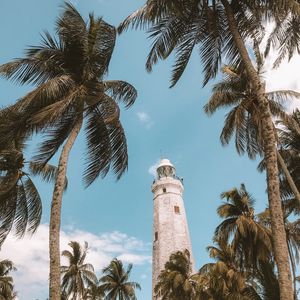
(55, 216)
(288, 176)
(277, 222)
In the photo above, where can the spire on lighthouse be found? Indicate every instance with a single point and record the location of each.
(170, 228)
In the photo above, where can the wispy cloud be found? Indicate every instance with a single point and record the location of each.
(152, 168)
(30, 255)
(145, 119)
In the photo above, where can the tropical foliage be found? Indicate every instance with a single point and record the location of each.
(79, 280)
(77, 274)
(229, 31)
(115, 282)
(243, 264)
(20, 201)
(68, 71)
(6, 281)
(254, 255)
(175, 281)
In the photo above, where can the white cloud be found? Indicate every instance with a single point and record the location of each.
(152, 168)
(145, 119)
(30, 256)
(285, 77)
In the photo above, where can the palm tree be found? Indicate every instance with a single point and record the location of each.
(289, 138)
(77, 275)
(20, 202)
(115, 282)
(250, 239)
(220, 28)
(69, 72)
(292, 229)
(175, 281)
(223, 279)
(6, 281)
(94, 292)
(244, 119)
(265, 284)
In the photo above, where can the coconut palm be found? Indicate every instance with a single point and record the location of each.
(293, 236)
(175, 281)
(250, 239)
(227, 278)
(94, 292)
(115, 282)
(6, 281)
(77, 275)
(265, 284)
(244, 119)
(289, 138)
(69, 72)
(222, 279)
(220, 30)
(20, 202)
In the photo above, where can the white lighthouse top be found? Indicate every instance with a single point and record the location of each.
(165, 169)
(164, 162)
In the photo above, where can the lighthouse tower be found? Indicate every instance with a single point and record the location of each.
(170, 228)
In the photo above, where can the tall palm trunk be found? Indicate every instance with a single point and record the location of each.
(55, 216)
(288, 176)
(277, 222)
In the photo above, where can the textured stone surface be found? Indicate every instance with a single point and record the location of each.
(170, 228)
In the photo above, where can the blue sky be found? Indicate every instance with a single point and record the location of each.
(163, 121)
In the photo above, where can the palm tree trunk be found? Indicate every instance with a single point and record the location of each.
(293, 269)
(55, 216)
(270, 152)
(288, 176)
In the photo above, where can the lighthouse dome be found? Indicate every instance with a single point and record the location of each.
(165, 169)
(164, 162)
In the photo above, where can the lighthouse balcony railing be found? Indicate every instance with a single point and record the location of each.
(174, 177)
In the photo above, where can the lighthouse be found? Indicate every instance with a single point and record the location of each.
(170, 227)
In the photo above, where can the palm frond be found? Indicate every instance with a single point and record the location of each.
(47, 172)
(121, 91)
(139, 19)
(165, 39)
(101, 43)
(99, 151)
(34, 205)
(55, 137)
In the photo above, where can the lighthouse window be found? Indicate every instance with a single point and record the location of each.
(155, 236)
(176, 209)
(164, 190)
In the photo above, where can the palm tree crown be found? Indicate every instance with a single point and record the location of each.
(244, 120)
(77, 275)
(249, 238)
(20, 202)
(69, 72)
(6, 281)
(115, 282)
(175, 280)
